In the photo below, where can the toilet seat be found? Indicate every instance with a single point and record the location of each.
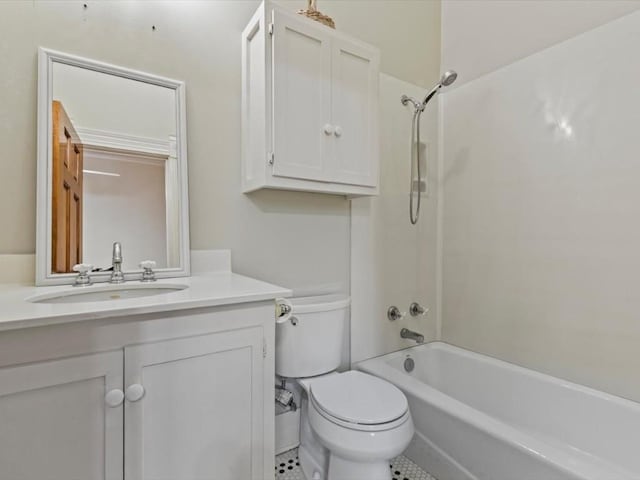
(359, 401)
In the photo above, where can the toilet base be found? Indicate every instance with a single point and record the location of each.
(310, 466)
(313, 457)
(342, 469)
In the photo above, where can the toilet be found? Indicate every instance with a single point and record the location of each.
(351, 424)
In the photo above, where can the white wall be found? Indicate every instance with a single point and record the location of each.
(406, 31)
(541, 208)
(99, 101)
(392, 261)
(479, 36)
(299, 240)
(129, 209)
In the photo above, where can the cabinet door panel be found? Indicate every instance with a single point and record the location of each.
(301, 98)
(355, 104)
(201, 416)
(54, 423)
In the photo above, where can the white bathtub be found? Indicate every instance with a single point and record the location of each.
(481, 418)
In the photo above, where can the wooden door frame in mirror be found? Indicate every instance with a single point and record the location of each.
(46, 59)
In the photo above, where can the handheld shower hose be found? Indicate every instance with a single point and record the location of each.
(418, 107)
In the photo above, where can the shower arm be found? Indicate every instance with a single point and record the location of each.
(420, 106)
(430, 95)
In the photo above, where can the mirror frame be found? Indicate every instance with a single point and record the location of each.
(46, 58)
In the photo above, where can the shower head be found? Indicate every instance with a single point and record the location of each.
(448, 78)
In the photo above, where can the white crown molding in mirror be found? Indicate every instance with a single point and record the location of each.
(177, 150)
(118, 141)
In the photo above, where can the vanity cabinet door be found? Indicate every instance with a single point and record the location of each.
(195, 408)
(55, 423)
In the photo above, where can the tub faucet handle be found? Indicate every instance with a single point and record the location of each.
(415, 309)
(394, 313)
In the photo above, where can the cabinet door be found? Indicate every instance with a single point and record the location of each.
(54, 423)
(301, 98)
(355, 113)
(201, 415)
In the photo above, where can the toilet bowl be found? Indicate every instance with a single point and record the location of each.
(362, 422)
(352, 423)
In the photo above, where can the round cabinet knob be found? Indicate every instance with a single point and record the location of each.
(134, 392)
(114, 398)
(338, 131)
(328, 129)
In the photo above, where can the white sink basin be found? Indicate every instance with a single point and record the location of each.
(105, 293)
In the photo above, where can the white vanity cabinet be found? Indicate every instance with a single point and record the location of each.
(194, 408)
(54, 422)
(309, 106)
(183, 395)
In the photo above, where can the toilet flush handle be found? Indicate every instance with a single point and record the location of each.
(284, 309)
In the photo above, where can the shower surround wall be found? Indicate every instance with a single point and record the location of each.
(541, 210)
(392, 261)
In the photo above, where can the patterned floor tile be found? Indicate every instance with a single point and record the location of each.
(288, 468)
(404, 469)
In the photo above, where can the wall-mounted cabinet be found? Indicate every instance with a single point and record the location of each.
(309, 107)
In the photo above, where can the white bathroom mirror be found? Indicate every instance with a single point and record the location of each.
(112, 167)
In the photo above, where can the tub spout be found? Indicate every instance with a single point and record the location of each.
(406, 333)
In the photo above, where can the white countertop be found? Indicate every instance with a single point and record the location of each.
(209, 290)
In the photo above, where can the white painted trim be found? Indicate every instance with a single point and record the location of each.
(172, 193)
(120, 156)
(46, 58)
(108, 140)
(440, 217)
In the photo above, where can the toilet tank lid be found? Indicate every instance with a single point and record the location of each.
(319, 303)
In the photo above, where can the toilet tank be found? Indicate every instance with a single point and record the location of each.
(310, 341)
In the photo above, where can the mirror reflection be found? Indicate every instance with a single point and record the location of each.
(114, 171)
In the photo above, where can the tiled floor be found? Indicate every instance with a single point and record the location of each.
(288, 468)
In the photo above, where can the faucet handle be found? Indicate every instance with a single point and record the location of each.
(82, 268)
(415, 309)
(394, 313)
(83, 279)
(148, 274)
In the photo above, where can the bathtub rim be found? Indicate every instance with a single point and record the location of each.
(441, 345)
(504, 432)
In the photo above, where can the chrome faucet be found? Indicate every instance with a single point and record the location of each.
(411, 335)
(116, 275)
